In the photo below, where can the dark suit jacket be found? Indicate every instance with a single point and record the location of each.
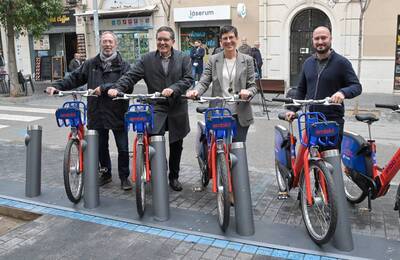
(179, 78)
(74, 64)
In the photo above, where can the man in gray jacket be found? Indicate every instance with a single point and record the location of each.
(167, 71)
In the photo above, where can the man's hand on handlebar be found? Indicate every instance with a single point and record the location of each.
(51, 90)
(192, 94)
(338, 98)
(112, 92)
(290, 115)
(167, 92)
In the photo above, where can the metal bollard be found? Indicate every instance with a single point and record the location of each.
(241, 189)
(91, 197)
(33, 143)
(343, 238)
(159, 180)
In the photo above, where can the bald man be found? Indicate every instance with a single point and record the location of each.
(327, 74)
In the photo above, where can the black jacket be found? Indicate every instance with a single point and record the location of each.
(179, 78)
(103, 112)
(337, 75)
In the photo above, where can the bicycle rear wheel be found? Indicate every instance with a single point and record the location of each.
(223, 203)
(281, 179)
(73, 177)
(320, 217)
(140, 180)
(354, 194)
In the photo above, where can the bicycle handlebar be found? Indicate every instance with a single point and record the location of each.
(153, 96)
(232, 99)
(390, 106)
(83, 93)
(301, 103)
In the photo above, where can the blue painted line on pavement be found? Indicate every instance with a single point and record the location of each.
(220, 243)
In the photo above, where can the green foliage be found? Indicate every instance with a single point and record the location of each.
(30, 15)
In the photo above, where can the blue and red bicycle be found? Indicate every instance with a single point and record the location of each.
(140, 118)
(307, 169)
(363, 178)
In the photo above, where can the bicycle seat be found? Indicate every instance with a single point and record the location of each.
(201, 110)
(367, 118)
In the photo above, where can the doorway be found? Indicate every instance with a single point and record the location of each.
(301, 30)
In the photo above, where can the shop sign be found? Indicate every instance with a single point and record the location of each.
(397, 57)
(66, 19)
(42, 43)
(127, 23)
(203, 13)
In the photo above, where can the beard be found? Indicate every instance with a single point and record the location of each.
(323, 50)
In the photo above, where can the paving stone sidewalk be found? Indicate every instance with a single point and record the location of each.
(381, 222)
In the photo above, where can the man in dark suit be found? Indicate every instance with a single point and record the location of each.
(197, 54)
(75, 62)
(167, 71)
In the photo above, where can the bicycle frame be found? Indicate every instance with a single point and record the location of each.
(140, 117)
(317, 132)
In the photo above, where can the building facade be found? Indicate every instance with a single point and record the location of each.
(283, 28)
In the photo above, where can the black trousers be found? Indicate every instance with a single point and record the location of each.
(241, 132)
(121, 139)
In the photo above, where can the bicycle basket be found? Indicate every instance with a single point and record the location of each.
(70, 114)
(220, 121)
(323, 134)
(138, 116)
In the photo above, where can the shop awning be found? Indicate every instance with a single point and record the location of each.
(104, 13)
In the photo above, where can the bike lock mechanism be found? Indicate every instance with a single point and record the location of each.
(33, 143)
(343, 238)
(91, 197)
(159, 182)
(241, 190)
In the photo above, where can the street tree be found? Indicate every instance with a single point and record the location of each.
(21, 17)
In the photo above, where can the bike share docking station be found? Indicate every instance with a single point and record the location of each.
(343, 238)
(91, 196)
(159, 182)
(33, 143)
(241, 189)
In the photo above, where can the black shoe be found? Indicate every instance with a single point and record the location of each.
(175, 184)
(104, 179)
(126, 184)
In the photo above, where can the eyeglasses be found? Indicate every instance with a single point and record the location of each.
(163, 39)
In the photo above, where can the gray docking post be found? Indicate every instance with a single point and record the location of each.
(159, 181)
(91, 196)
(33, 142)
(343, 238)
(241, 190)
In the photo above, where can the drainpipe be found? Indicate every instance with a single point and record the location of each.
(265, 36)
(96, 26)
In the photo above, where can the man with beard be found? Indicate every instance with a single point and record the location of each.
(327, 74)
(104, 114)
(167, 71)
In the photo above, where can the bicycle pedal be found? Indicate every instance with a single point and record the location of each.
(283, 195)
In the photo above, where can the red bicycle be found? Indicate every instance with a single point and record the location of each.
(307, 169)
(363, 178)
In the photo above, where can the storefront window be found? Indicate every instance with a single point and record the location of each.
(132, 45)
(209, 36)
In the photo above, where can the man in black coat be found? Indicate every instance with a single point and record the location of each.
(167, 71)
(104, 114)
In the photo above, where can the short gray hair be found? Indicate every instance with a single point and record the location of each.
(110, 33)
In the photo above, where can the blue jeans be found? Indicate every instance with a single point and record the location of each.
(121, 139)
(196, 73)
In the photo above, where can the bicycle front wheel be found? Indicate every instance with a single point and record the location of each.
(140, 180)
(203, 164)
(223, 203)
(321, 216)
(73, 177)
